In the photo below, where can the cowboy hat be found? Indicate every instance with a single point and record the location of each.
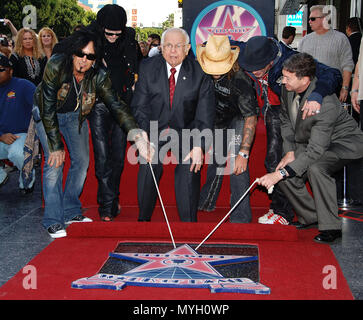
(217, 56)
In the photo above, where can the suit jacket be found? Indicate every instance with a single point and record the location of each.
(354, 40)
(193, 102)
(332, 129)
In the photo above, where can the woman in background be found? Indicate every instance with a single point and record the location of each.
(26, 58)
(47, 40)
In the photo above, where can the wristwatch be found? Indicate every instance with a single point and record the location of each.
(243, 155)
(345, 88)
(283, 173)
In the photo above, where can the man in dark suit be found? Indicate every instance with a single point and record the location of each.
(171, 95)
(352, 30)
(314, 149)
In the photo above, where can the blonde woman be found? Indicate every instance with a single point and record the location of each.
(26, 58)
(47, 40)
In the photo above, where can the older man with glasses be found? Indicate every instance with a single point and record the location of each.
(174, 92)
(329, 46)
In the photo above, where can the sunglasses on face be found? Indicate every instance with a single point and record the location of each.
(2, 69)
(112, 34)
(314, 18)
(89, 56)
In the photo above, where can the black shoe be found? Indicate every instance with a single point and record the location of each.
(300, 225)
(4, 181)
(27, 190)
(328, 236)
(57, 231)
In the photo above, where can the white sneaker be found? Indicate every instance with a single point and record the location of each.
(57, 231)
(276, 219)
(266, 217)
(79, 218)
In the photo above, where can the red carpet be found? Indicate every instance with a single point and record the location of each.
(291, 264)
(129, 179)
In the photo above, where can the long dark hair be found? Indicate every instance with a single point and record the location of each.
(77, 41)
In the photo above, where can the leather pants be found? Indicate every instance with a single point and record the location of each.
(109, 147)
(279, 203)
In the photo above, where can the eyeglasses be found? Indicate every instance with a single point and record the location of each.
(2, 69)
(314, 18)
(112, 34)
(169, 46)
(154, 45)
(89, 56)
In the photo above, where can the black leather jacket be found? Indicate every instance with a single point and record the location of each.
(235, 96)
(53, 91)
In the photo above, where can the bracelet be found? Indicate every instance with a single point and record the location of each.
(283, 173)
(355, 90)
(345, 88)
(243, 155)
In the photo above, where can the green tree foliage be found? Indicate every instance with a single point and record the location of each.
(143, 33)
(60, 15)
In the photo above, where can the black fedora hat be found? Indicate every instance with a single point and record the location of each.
(258, 52)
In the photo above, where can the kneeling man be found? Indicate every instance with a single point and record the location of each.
(314, 149)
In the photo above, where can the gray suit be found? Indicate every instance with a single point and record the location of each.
(322, 145)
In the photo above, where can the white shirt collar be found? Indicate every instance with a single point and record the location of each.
(168, 67)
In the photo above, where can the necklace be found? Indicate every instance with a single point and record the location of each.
(78, 93)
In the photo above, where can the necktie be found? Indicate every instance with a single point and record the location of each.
(172, 85)
(295, 108)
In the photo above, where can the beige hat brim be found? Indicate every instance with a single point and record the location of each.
(216, 67)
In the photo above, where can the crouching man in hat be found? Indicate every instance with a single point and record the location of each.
(263, 58)
(236, 109)
(314, 149)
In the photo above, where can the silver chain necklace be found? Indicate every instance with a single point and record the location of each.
(78, 93)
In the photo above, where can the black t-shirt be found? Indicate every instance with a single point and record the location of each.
(71, 101)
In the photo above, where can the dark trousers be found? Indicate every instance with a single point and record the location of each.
(215, 173)
(279, 203)
(186, 186)
(109, 147)
(322, 207)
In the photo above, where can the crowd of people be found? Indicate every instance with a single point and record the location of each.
(100, 78)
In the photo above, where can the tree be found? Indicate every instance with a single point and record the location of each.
(60, 15)
(143, 33)
(169, 22)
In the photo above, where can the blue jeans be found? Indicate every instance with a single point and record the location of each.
(238, 183)
(14, 153)
(63, 205)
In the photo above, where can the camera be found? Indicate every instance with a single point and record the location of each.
(4, 42)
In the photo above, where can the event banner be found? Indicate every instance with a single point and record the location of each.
(239, 20)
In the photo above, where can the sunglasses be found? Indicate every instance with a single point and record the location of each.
(2, 69)
(112, 34)
(314, 18)
(89, 56)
